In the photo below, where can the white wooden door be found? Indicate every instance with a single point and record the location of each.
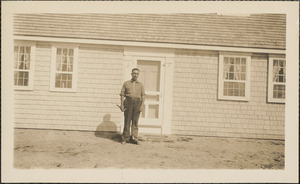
(151, 75)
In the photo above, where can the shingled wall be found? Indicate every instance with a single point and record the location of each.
(197, 110)
(91, 107)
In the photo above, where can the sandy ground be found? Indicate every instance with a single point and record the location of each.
(75, 149)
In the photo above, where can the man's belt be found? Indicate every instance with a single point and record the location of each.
(132, 97)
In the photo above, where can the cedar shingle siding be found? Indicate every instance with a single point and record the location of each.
(196, 109)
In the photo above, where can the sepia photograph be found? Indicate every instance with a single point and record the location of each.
(141, 91)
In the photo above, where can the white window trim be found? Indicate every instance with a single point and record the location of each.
(32, 63)
(221, 80)
(53, 67)
(270, 79)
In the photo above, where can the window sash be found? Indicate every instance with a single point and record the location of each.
(24, 58)
(63, 68)
(277, 80)
(234, 77)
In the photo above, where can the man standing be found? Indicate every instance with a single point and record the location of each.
(134, 93)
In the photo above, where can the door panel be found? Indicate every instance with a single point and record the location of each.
(151, 77)
(150, 74)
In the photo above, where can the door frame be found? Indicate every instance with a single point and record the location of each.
(166, 56)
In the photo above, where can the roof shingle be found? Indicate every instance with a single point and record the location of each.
(254, 31)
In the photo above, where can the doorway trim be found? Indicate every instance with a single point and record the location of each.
(131, 55)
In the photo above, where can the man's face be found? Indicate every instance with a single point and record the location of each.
(135, 75)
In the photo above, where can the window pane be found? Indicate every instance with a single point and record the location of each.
(232, 61)
(71, 52)
(20, 82)
(244, 69)
(63, 81)
(70, 64)
(21, 61)
(64, 77)
(274, 94)
(58, 79)
(25, 82)
(237, 76)
(27, 63)
(25, 78)
(28, 49)
(58, 52)
(22, 50)
(243, 61)
(230, 92)
(226, 68)
(64, 67)
(226, 60)
(279, 71)
(279, 91)
(231, 76)
(237, 61)
(65, 51)
(279, 94)
(275, 62)
(243, 76)
(281, 63)
(21, 78)
(234, 89)
(231, 68)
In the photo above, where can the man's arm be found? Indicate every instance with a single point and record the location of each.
(122, 104)
(142, 104)
(122, 95)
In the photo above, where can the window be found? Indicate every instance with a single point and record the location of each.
(24, 53)
(63, 68)
(234, 77)
(277, 80)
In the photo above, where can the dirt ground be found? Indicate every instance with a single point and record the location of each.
(76, 149)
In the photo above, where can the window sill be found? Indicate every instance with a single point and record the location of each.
(276, 101)
(19, 88)
(230, 98)
(63, 90)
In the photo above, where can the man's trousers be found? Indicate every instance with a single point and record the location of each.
(131, 115)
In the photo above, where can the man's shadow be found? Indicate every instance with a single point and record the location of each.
(108, 130)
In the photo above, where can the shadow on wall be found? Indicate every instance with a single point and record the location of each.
(108, 129)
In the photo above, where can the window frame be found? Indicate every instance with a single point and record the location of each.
(221, 81)
(54, 48)
(271, 59)
(31, 70)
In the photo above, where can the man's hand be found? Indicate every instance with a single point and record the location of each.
(122, 108)
(141, 108)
